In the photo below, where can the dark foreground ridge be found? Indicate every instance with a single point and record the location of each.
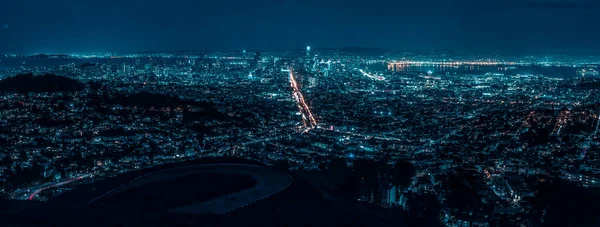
(216, 191)
(26, 83)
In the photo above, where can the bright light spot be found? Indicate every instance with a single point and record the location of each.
(375, 77)
(429, 72)
(351, 155)
(307, 47)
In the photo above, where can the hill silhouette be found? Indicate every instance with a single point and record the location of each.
(589, 85)
(147, 100)
(50, 56)
(25, 83)
(300, 204)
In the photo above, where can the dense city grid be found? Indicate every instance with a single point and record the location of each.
(455, 139)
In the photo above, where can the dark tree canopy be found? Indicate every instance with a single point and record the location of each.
(402, 173)
(26, 83)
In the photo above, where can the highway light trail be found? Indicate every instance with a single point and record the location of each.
(561, 121)
(36, 192)
(307, 118)
(375, 77)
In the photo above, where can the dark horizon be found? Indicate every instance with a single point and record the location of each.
(530, 26)
(571, 53)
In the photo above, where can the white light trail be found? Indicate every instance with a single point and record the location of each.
(375, 77)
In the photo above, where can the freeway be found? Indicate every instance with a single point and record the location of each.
(307, 118)
(269, 181)
(19, 193)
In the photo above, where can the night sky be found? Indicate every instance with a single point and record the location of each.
(60, 26)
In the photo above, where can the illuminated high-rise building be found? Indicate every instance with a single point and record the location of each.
(308, 59)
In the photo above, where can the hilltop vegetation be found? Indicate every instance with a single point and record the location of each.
(26, 83)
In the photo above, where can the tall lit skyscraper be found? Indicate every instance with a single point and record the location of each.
(307, 51)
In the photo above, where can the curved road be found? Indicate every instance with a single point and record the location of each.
(31, 193)
(269, 182)
(36, 192)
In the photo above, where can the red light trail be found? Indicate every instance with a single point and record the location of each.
(307, 117)
(36, 192)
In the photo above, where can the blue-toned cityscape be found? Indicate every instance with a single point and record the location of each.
(420, 138)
